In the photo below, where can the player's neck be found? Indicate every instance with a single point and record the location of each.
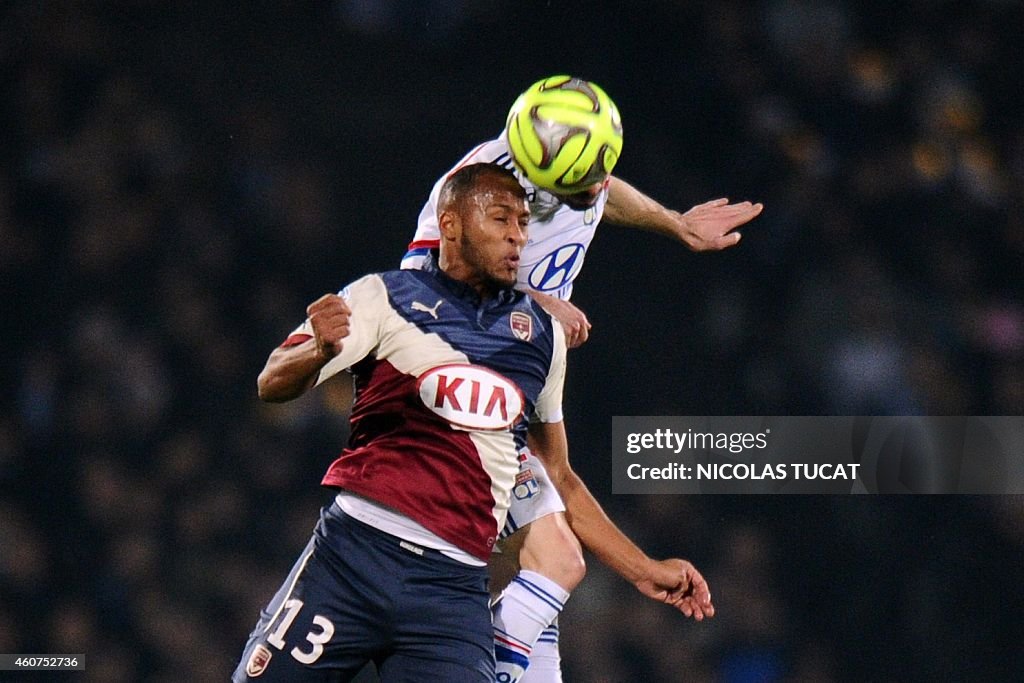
(459, 270)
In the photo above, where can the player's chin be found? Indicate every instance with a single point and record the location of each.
(578, 202)
(508, 272)
(505, 278)
(582, 200)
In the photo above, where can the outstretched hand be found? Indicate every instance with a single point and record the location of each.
(678, 583)
(709, 226)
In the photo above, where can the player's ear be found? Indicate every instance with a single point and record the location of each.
(449, 225)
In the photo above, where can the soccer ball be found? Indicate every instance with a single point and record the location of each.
(564, 133)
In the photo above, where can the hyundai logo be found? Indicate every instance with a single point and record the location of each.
(557, 268)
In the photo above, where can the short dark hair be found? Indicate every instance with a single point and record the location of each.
(462, 182)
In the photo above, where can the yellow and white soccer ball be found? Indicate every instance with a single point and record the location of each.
(564, 133)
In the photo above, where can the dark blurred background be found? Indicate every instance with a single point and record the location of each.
(178, 180)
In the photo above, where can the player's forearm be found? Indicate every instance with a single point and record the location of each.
(597, 532)
(629, 207)
(290, 372)
(540, 297)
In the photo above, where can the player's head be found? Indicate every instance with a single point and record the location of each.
(565, 135)
(482, 214)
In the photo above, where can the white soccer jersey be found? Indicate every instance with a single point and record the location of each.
(559, 236)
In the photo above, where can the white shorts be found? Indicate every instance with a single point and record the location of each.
(533, 496)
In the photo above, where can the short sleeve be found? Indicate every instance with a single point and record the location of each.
(549, 401)
(368, 300)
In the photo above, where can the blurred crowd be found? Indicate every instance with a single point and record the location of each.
(177, 182)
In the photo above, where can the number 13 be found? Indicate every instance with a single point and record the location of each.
(276, 638)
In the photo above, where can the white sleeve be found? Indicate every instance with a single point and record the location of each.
(427, 233)
(368, 300)
(549, 402)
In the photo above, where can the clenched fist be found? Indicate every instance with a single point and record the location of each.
(329, 317)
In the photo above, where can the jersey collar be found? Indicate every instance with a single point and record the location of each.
(506, 295)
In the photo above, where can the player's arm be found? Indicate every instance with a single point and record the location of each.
(294, 367)
(340, 329)
(673, 581)
(706, 227)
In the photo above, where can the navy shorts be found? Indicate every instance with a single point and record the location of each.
(358, 594)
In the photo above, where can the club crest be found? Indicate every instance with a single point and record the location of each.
(258, 661)
(522, 325)
(526, 485)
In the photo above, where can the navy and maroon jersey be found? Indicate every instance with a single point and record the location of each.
(445, 387)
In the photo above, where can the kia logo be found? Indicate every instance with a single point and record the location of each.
(471, 397)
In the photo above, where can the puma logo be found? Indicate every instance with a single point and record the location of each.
(417, 306)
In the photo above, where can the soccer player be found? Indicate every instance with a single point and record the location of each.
(450, 363)
(565, 215)
(562, 138)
